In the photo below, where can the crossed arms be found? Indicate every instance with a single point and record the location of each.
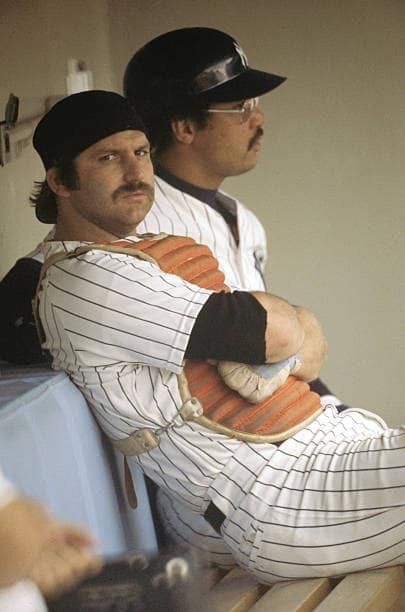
(257, 327)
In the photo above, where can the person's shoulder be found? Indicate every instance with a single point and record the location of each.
(49, 248)
(108, 256)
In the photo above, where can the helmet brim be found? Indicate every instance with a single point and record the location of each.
(249, 84)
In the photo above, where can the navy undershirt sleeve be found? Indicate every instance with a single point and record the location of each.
(230, 326)
(19, 338)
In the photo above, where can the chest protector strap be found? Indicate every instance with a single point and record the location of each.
(206, 398)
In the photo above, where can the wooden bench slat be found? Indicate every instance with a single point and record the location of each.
(371, 591)
(236, 592)
(208, 577)
(297, 596)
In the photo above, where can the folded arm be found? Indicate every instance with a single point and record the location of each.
(257, 328)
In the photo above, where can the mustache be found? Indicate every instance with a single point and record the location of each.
(259, 133)
(133, 186)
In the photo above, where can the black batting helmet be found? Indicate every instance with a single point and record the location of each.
(182, 67)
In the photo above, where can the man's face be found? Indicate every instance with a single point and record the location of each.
(229, 144)
(115, 183)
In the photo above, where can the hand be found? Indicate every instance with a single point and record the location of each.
(314, 347)
(65, 562)
(33, 545)
(256, 383)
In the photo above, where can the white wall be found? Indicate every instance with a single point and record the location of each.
(330, 184)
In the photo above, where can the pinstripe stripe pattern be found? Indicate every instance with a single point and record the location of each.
(176, 212)
(119, 327)
(331, 500)
(328, 501)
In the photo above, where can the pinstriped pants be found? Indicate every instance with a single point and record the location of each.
(328, 501)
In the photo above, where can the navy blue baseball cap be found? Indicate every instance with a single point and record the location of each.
(79, 121)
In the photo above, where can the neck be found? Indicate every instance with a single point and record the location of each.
(79, 229)
(184, 165)
(205, 195)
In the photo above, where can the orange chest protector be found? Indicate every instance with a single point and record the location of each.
(206, 399)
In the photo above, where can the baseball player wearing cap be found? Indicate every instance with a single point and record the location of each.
(189, 85)
(328, 500)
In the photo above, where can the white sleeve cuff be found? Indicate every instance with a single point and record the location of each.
(7, 491)
(23, 596)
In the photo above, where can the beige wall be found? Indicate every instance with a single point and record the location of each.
(37, 37)
(330, 184)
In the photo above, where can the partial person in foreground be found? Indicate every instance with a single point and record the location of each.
(40, 558)
(323, 496)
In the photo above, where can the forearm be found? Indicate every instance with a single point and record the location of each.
(245, 327)
(314, 348)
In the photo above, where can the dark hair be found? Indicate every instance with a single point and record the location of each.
(44, 199)
(160, 124)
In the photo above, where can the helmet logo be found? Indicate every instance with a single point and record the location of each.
(241, 54)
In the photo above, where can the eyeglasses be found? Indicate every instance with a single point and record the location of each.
(245, 109)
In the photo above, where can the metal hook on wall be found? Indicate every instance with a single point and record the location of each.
(10, 119)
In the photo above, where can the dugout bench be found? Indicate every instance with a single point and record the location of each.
(372, 591)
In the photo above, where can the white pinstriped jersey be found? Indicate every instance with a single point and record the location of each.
(329, 500)
(176, 212)
(119, 327)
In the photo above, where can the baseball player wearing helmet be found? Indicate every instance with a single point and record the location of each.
(197, 94)
(328, 500)
(199, 97)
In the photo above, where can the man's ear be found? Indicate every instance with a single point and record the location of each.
(55, 184)
(184, 130)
